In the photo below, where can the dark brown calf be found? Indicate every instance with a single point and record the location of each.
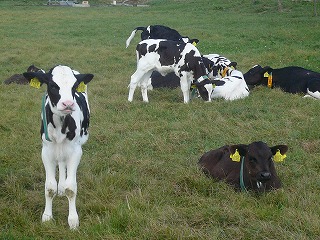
(245, 166)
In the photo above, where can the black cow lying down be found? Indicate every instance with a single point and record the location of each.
(19, 78)
(160, 32)
(246, 167)
(289, 79)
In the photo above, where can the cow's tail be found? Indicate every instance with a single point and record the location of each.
(133, 33)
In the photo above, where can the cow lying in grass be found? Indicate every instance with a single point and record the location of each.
(289, 79)
(245, 167)
(231, 87)
(165, 56)
(160, 32)
(64, 129)
(19, 78)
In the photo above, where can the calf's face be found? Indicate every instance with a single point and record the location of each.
(62, 84)
(259, 159)
(255, 75)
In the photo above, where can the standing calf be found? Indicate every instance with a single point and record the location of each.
(160, 32)
(64, 129)
(164, 56)
(245, 166)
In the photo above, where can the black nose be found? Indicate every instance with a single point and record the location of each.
(264, 176)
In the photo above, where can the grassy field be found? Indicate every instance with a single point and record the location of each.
(138, 177)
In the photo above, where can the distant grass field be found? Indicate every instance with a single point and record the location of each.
(138, 177)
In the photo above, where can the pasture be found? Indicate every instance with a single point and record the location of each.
(138, 177)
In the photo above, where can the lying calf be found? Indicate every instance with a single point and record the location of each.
(245, 166)
(231, 87)
(165, 56)
(160, 32)
(289, 79)
(19, 78)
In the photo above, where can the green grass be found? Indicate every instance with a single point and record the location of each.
(138, 178)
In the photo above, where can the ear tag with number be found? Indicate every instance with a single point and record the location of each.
(236, 156)
(266, 74)
(81, 87)
(194, 44)
(34, 82)
(278, 157)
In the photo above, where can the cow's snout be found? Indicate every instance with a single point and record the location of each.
(68, 106)
(264, 176)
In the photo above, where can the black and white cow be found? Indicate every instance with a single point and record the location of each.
(212, 62)
(231, 87)
(216, 65)
(290, 79)
(245, 166)
(166, 56)
(64, 129)
(160, 32)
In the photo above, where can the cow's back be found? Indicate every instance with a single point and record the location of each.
(218, 164)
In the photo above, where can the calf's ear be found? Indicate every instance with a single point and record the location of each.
(267, 69)
(233, 65)
(279, 152)
(85, 78)
(36, 79)
(241, 148)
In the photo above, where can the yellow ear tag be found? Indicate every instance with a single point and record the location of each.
(266, 74)
(236, 156)
(278, 157)
(34, 82)
(194, 44)
(81, 87)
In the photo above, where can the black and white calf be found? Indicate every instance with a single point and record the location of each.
(219, 63)
(165, 56)
(290, 79)
(64, 129)
(231, 87)
(160, 32)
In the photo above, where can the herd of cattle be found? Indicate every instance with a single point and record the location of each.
(164, 59)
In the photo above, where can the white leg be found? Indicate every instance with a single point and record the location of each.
(135, 79)
(71, 187)
(144, 86)
(185, 88)
(62, 178)
(50, 184)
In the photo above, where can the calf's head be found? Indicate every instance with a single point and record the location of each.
(62, 85)
(259, 159)
(255, 75)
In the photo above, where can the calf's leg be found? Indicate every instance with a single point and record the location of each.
(51, 184)
(185, 87)
(71, 186)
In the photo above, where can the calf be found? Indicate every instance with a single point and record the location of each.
(19, 78)
(289, 79)
(231, 87)
(64, 129)
(165, 56)
(215, 61)
(245, 166)
(160, 32)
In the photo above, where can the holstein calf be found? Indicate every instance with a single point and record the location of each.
(160, 32)
(289, 79)
(214, 61)
(165, 56)
(231, 87)
(246, 167)
(64, 129)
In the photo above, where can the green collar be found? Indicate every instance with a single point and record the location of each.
(44, 118)
(242, 186)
